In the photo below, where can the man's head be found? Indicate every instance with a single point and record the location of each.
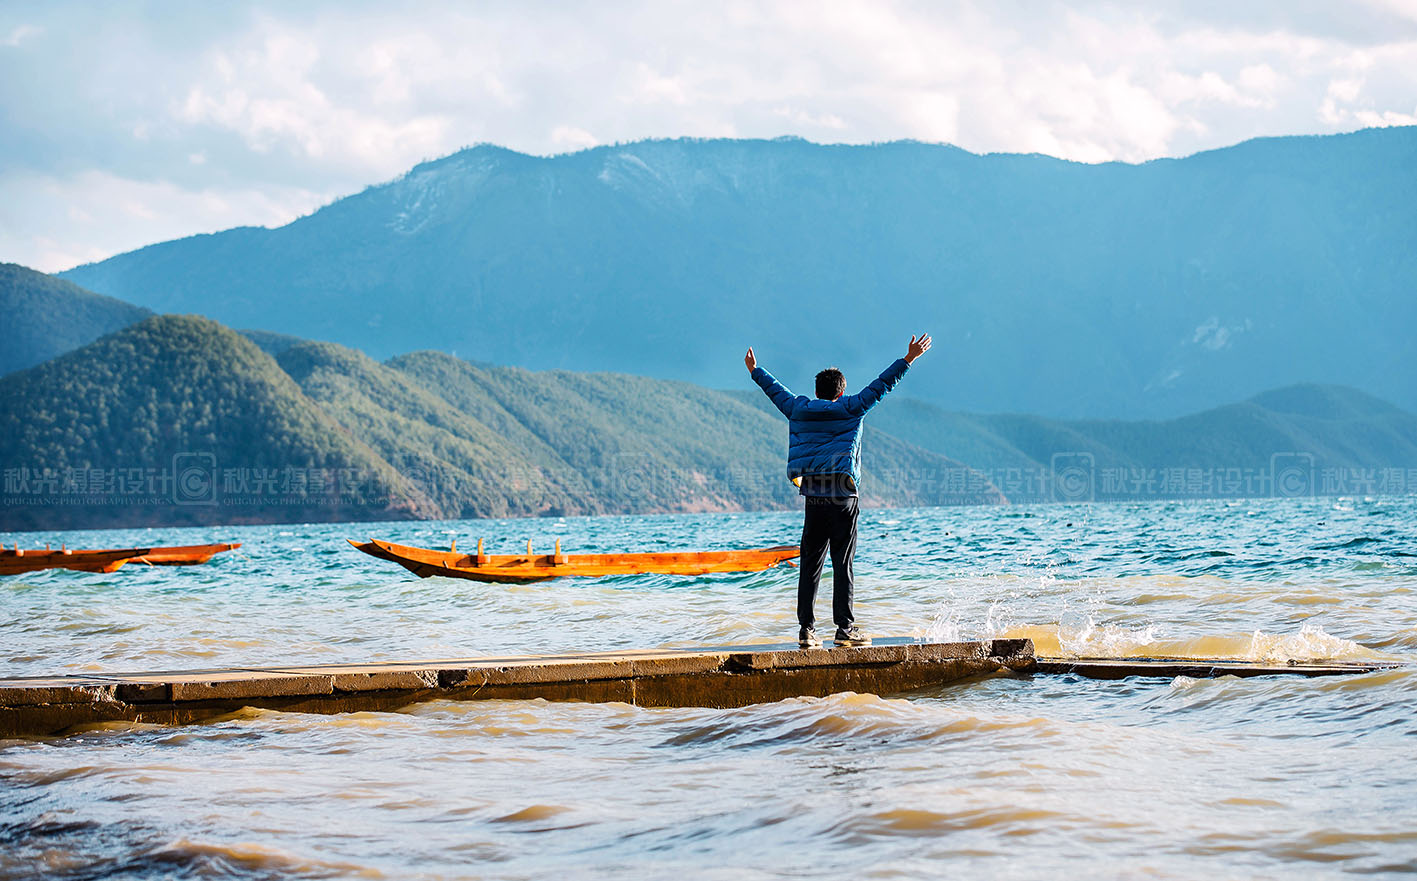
(831, 384)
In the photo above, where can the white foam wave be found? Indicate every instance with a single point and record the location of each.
(1092, 640)
(1311, 643)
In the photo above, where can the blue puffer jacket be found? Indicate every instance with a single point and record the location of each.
(824, 437)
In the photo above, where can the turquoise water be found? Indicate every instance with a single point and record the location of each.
(1002, 777)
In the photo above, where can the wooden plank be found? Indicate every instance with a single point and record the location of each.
(713, 677)
(1201, 668)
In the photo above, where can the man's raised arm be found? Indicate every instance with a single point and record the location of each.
(778, 393)
(872, 393)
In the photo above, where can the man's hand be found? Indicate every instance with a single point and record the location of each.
(918, 346)
(752, 360)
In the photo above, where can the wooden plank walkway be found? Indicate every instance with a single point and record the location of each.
(1202, 668)
(727, 676)
(721, 676)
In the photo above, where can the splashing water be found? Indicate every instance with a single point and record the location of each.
(1311, 643)
(943, 627)
(1093, 640)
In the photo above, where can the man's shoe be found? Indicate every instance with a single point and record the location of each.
(807, 638)
(851, 636)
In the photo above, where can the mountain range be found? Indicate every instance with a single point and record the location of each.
(1057, 288)
(177, 420)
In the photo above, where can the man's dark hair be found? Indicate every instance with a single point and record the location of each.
(831, 384)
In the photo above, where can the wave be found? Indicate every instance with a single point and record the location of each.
(915, 822)
(240, 859)
(846, 717)
(1093, 640)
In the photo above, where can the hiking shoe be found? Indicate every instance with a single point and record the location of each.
(807, 638)
(851, 636)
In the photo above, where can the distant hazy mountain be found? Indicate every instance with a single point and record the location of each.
(46, 316)
(178, 420)
(1051, 287)
(1299, 440)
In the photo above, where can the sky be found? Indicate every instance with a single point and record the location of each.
(127, 123)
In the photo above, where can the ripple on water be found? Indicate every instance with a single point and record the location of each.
(907, 822)
(236, 859)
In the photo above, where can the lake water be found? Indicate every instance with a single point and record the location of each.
(997, 778)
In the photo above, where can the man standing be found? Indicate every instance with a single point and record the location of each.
(824, 460)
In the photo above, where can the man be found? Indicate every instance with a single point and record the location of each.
(824, 460)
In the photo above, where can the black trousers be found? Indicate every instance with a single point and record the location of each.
(828, 523)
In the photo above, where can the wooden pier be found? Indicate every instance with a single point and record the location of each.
(726, 676)
(1201, 668)
(729, 676)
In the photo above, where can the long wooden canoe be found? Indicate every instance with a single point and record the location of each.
(522, 568)
(17, 561)
(184, 555)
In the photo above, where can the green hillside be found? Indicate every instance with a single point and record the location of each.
(611, 429)
(178, 420)
(48, 316)
(640, 443)
(466, 467)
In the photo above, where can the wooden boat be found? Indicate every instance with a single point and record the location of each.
(184, 555)
(17, 561)
(522, 568)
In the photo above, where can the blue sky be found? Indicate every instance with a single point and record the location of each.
(126, 123)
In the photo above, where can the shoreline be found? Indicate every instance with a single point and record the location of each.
(8, 534)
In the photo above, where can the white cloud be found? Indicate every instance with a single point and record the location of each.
(653, 87)
(21, 33)
(932, 116)
(1373, 119)
(1371, 87)
(1261, 81)
(270, 95)
(803, 119)
(53, 223)
(1405, 8)
(275, 107)
(572, 138)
